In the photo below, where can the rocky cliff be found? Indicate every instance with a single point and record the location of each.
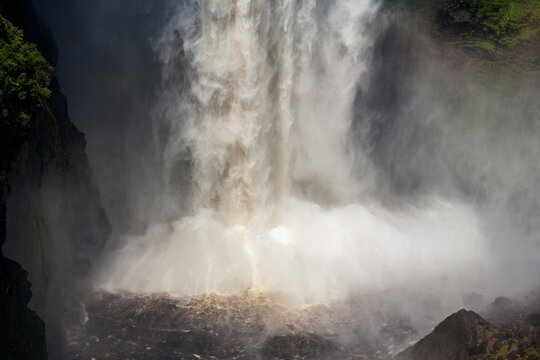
(55, 223)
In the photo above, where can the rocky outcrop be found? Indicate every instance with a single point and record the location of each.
(56, 226)
(467, 336)
(459, 337)
(24, 77)
(22, 331)
(505, 32)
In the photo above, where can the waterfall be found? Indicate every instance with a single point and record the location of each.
(259, 96)
(270, 97)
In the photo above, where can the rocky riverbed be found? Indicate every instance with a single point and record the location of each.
(248, 326)
(258, 326)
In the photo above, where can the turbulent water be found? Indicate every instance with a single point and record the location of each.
(270, 100)
(258, 100)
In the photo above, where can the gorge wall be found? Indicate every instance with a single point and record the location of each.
(55, 223)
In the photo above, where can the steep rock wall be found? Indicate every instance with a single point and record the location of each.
(55, 223)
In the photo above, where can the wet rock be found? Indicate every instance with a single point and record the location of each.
(458, 337)
(467, 336)
(247, 326)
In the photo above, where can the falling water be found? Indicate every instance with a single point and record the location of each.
(259, 95)
(264, 75)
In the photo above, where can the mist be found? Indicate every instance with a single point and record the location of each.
(320, 151)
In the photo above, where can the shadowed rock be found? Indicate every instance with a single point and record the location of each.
(466, 336)
(22, 331)
(459, 337)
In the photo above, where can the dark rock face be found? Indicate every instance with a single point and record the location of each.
(54, 211)
(458, 337)
(455, 14)
(23, 332)
(54, 225)
(466, 336)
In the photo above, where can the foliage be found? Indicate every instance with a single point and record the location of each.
(508, 20)
(24, 78)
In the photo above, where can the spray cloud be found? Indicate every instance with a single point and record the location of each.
(260, 98)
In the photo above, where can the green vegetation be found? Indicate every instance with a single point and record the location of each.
(493, 28)
(502, 35)
(506, 33)
(509, 21)
(490, 332)
(505, 351)
(532, 353)
(24, 78)
(486, 45)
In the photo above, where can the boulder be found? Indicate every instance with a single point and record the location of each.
(459, 337)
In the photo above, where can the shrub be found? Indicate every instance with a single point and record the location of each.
(24, 81)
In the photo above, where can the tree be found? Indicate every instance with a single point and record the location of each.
(24, 81)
